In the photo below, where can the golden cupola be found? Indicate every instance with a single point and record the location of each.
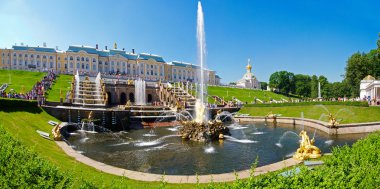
(249, 67)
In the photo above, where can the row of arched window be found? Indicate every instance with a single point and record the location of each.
(32, 56)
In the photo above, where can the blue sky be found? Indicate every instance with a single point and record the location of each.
(306, 36)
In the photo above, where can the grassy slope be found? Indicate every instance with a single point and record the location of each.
(22, 124)
(62, 83)
(244, 95)
(348, 114)
(20, 79)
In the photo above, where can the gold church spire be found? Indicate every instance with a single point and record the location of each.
(249, 67)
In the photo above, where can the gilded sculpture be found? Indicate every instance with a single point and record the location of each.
(307, 149)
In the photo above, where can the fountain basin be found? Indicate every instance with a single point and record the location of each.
(162, 151)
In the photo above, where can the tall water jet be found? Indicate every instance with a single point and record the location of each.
(201, 129)
(77, 85)
(200, 113)
(140, 92)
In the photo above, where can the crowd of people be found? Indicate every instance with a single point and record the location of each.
(36, 93)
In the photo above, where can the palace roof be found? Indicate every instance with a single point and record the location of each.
(146, 56)
(40, 49)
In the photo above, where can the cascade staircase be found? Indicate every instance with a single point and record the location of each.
(176, 95)
(89, 93)
(219, 100)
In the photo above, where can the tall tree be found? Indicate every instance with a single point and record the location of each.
(283, 81)
(263, 85)
(302, 85)
(358, 66)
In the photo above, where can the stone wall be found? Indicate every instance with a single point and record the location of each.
(320, 125)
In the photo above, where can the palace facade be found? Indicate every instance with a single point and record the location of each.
(91, 60)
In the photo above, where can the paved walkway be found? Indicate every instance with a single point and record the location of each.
(225, 177)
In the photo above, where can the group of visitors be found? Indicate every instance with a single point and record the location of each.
(37, 92)
(371, 101)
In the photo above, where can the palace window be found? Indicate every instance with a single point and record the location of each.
(14, 54)
(78, 59)
(94, 67)
(71, 65)
(82, 58)
(59, 58)
(38, 56)
(20, 55)
(82, 65)
(93, 60)
(51, 57)
(26, 56)
(31, 56)
(59, 65)
(78, 65)
(44, 64)
(86, 59)
(65, 66)
(100, 62)
(87, 66)
(71, 58)
(42, 57)
(51, 64)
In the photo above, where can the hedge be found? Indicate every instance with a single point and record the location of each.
(16, 103)
(346, 103)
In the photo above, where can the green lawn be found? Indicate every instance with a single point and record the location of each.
(348, 114)
(244, 95)
(20, 80)
(62, 82)
(22, 125)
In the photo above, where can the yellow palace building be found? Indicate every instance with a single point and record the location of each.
(91, 60)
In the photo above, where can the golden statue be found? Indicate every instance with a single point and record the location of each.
(56, 133)
(332, 121)
(270, 115)
(106, 98)
(307, 149)
(128, 103)
(115, 45)
(90, 115)
(130, 82)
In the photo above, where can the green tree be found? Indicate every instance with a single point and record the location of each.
(283, 81)
(302, 85)
(264, 85)
(358, 66)
(339, 89)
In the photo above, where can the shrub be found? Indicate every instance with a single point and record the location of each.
(23, 168)
(349, 167)
(347, 103)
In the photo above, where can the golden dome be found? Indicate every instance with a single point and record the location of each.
(369, 77)
(249, 67)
